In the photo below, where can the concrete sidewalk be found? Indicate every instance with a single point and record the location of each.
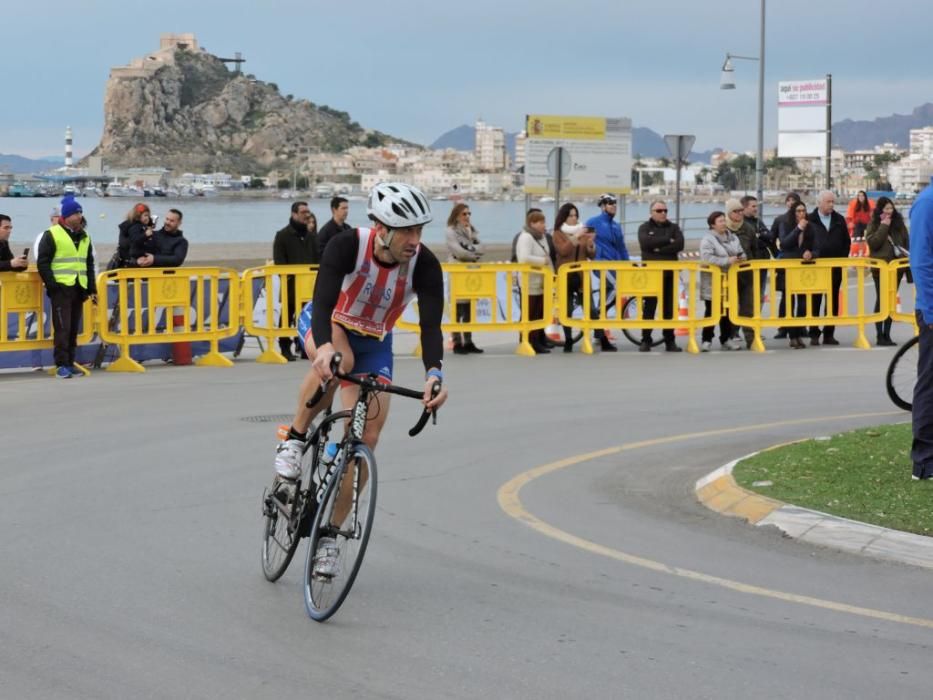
(718, 491)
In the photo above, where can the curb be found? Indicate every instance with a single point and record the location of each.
(719, 492)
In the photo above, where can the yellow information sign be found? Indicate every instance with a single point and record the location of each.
(551, 127)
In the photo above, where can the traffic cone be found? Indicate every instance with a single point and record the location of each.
(683, 314)
(555, 332)
(897, 305)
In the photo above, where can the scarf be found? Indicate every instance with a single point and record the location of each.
(734, 226)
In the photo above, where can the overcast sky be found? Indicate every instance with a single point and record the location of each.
(416, 68)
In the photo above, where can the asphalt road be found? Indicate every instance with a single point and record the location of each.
(130, 531)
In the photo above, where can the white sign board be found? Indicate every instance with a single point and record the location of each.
(597, 154)
(803, 144)
(802, 110)
(802, 92)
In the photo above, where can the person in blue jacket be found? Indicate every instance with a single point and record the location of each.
(921, 267)
(610, 245)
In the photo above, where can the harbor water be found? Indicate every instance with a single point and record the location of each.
(236, 220)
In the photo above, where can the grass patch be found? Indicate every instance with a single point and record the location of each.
(863, 475)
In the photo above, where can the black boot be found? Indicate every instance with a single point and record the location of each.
(568, 339)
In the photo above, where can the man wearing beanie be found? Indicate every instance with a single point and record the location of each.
(66, 265)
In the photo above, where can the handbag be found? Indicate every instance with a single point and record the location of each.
(898, 251)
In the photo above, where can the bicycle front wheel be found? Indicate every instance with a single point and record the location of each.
(344, 517)
(902, 374)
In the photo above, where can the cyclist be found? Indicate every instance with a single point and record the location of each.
(366, 278)
(610, 245)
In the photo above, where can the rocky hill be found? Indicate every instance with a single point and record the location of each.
(863, 134)
(183, 109)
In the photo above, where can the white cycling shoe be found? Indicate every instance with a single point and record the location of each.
(327, 559)
(288, 459)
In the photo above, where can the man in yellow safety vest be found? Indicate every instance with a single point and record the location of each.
(66, 264)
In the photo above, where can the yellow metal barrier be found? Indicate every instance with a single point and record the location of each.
(811, 279)
(22, 296)
(195, 293)
(895, 268)
(608, 286)
(275, 283)
(498, 298)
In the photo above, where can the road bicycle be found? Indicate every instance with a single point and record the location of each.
(339, 482)
(629, 312)
(902, 374)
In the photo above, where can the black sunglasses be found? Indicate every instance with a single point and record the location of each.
(661, 211)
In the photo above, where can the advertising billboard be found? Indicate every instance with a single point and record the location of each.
(802, 109)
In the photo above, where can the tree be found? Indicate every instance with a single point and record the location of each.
(283, 183)
(256, 184)
(726, 176)
(302, 182)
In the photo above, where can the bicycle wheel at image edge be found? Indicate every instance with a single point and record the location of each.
(280, 529)
(324, 595)
(902, 374)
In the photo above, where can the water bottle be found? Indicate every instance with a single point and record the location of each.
(330, 452)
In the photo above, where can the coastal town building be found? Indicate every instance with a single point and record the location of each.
(489, 149)
(921, 142)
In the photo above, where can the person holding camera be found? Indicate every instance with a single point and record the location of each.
(8, 262)
(798, 240)
(463, 246)
(887, 240)
(573, 242)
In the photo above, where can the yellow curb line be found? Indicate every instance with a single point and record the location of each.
(510, 503)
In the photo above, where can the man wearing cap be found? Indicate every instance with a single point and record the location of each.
(66, 265)
(610, 245)
(54, 216)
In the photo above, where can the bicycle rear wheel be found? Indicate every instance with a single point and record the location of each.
(356, 482)
(630, 311)
(281, 508)
(902, 374)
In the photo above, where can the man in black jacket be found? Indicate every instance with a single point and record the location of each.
(832, 241)
(339, 211)
(295, 245)
(660, 239)
(170, 243)
(9, 263)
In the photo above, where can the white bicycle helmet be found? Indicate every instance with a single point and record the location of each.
(397, 205)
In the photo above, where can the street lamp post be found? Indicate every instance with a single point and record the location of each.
(727, 82)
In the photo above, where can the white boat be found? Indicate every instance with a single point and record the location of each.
(546, 200)
(117, 190)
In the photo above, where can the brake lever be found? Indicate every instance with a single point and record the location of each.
(321, 390)
(426, 413)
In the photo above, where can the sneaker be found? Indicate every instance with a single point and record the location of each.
(288, 459)
(734, 344)
(63, 373)
(645, 346)
(326, 560)
(706, 346)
